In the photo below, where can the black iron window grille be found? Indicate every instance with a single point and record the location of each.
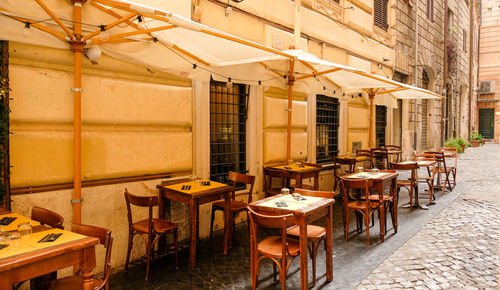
(380, 123)
(327, 128)
(228, 110)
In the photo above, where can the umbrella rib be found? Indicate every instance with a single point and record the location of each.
(116, 15)
(36, 25)
(273, 70)
(318, 73)
(118, 40)
(391, 91)
(57, 20)
(107, 27)
(126, 7)
(375, 78)
(314, 70)
(143, 31)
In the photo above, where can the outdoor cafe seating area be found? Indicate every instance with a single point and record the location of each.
(292, 222)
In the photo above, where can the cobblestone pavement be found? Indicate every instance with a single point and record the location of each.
(459, 248)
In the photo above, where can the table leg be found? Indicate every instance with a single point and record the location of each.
(87, 266)
(298, 181)
(329, 244)
(193, 216)
(162, 243)
(316, 181)
(5, 281)
(303, 253)
(228, 222)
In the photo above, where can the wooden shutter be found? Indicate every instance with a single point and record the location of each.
(465, 40)
(380, 13)
(430, 10)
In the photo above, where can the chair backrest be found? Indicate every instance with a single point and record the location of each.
(350, 162)
(281, 222)
(380, 157)
(412, 166)
(236, 177)
(363, 153)
(47, 217)
(347, 184)
(427, 157)
(105, 239)
(439, 157)
(391, 147)
(270, 173)
(315, 193)
(148, 201)
(454, 151)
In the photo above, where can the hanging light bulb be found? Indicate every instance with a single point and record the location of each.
(93, 53)
(27, 32)
(104, 35)
(140, 22)
(229, 84)
(228, 11)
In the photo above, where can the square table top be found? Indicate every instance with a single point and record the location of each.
(296, 168)
(30, 242)
(197, 186)
(304, 206)
(19, 219)
(369, 175)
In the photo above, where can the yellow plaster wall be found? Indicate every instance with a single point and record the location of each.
(129, 128)
(357, 124)
(275, 121)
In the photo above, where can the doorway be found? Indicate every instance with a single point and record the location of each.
(487, 123)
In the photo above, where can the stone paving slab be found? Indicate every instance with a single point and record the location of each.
(458, 249)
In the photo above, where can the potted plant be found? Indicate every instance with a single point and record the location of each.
(475, 139)
(462, 143)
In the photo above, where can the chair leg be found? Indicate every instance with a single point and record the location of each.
(176, 246)
(129, 249)
(381, 217)
(431, 191)
(283, 273)
(346, 226)
(367, 224)
(274, 271)
(212, 217)
(148, 258)
(313, 257)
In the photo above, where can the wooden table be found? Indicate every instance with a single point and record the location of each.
(380, 181)
(420, 164)
(303, 215)
(29, 262)
(300, 172)
(199, 194)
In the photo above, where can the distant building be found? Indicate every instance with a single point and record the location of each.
(488, 103)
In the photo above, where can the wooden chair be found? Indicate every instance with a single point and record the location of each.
(150, 229)
(431, 173)
(236, 205)
(367, 154)
(452, 167)
(411, 183)
(75, 282)
(269, 175)
(364, 207)
(442, 168)
(380, 158)
(394, 148)
(315, 185)
(350, 163)
(54, 220)
(47, 217)
(274, 247)
(315, 233)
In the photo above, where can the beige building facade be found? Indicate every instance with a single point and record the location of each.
(141, 126)
(488, 103)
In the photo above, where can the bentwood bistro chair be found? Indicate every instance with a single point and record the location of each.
(150, 229)
(75, 282)
(280, 249)
(315, 234)
(236, 206)
(47, 217)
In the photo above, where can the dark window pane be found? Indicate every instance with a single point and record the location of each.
(227, 130)
(380, 124)
(327, 125)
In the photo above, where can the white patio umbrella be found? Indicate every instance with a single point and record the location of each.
(132, 32)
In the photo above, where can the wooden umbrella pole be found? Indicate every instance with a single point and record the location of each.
(77, 48)
(291, 81)
(372, 113)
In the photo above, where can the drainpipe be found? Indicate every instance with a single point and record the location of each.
(479, 12)
(415, 78)
(471, 34)
(445, 72)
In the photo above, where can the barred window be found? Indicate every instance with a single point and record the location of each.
(380, 123)
(430, 10)
(380, 13)
(228, 108)
(327, 128)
